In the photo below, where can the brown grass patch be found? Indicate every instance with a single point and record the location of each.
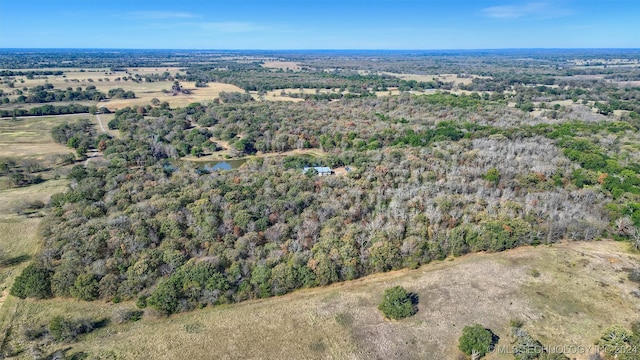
(144, 95)
(284, 65)
(105, 80)
(30, 137)
(442, 77)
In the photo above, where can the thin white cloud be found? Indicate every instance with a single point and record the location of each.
(533, 9)
(160, 15)
(231, 26)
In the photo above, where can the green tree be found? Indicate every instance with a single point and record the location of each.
(397, 303)
(85, 288)
(34, 282)
(167, 296)
(492, 176)
(475, 340)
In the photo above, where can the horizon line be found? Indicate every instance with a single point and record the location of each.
(337, 49)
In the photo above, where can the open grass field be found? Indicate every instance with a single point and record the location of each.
(9, 198)
(566, 294)
(25, 138)
(145, 93)
(18, 240)
(284, 65)
(30, 137)
(102, 121)
(442, 77)
(105, 80)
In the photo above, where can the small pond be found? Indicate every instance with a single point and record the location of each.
(223, 165)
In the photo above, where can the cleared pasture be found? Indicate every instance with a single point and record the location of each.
(105, 80)
(30, 137)
(283, 65)
(144, 95)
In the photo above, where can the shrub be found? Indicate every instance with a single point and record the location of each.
(492, 176)
(32, 332)
(475, 339)
(516, 323)
(66, 330)
(616, 340)
(525, 346)
(123, 315)
(34, 282)
(397, 303)
(141, 303)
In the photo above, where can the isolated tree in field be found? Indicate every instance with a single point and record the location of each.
(475, 340)
(397, 303)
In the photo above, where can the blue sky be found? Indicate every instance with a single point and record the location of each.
(321, 24)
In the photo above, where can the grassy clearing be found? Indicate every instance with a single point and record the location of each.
(31, 137)
(147, 91)
(545, 286)
(284, 65)
(276, 95)
(442, 77)
(74, 77)
(104, 80)
(9, 198)
(18, 241)
(24, 138)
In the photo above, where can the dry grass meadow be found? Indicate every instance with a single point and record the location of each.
(442, 77)
(146, 92)
(566, 294)
(283, 65)
(18, 241)
(25, 138)
(105, 80)
(30, 137)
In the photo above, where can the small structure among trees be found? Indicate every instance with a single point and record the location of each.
(320, 170)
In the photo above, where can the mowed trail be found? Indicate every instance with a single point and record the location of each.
(101, 125)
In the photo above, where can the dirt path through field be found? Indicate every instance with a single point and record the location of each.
(100, 122)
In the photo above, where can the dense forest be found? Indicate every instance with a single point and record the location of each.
(433, 176)
(509, 162)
